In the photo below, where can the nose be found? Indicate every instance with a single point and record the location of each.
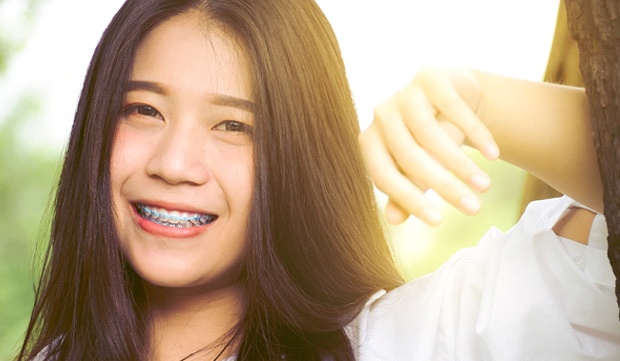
(180, 157)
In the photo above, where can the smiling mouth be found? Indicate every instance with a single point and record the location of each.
(173, 219)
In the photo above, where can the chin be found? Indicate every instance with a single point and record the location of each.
(182, 275)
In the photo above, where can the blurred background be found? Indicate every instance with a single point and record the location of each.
(45, 46)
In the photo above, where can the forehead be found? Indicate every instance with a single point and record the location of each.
(186, 52)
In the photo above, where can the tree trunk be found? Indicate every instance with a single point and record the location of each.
(595, 25)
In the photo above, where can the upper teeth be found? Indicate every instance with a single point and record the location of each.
(174, 218)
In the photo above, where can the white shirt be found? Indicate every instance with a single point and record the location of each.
(523, 295)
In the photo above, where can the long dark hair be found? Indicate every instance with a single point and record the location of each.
(316, 249)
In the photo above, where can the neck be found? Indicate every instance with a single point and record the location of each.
(182, 321)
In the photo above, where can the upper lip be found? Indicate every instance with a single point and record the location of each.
(173, 206)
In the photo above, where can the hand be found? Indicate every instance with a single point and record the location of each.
(414, 144)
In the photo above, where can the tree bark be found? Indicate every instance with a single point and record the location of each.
(595, 26)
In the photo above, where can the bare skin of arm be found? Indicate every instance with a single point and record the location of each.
(414, 141)
(575, 225)
(545, 129)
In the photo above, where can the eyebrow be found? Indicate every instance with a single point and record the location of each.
(146, 86)
(217, 99)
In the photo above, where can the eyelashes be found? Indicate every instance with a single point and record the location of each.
(142, 109)
(145, 110)
(234, 126)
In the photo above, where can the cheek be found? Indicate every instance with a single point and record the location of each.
(117, 160)
(118, 171)
(234, 171)
(128, 152)
(126, 161)
(244, 184)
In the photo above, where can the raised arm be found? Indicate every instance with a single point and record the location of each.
(414, 141)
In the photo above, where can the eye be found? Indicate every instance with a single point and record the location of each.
(144, 110)
(234, 126)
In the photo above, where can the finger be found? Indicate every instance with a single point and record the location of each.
(422, 169)
(444, 96)
(442, 181)
(443, 145)
(391, 181)
(464, 167)
(394, 214)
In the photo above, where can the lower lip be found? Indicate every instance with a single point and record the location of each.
(170, 232)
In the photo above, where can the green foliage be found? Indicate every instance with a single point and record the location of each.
(26, 178)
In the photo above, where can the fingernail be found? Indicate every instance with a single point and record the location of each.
(470, 204)
(491, 151)
(431, 216)
(481, 181)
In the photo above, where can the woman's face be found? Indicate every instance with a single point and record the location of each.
(182, 162)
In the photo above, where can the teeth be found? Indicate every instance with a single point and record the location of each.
(174, 218)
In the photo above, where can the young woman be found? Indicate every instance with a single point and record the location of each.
(213, 200)
(213, 204)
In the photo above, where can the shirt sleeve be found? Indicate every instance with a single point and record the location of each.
(523, 295)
